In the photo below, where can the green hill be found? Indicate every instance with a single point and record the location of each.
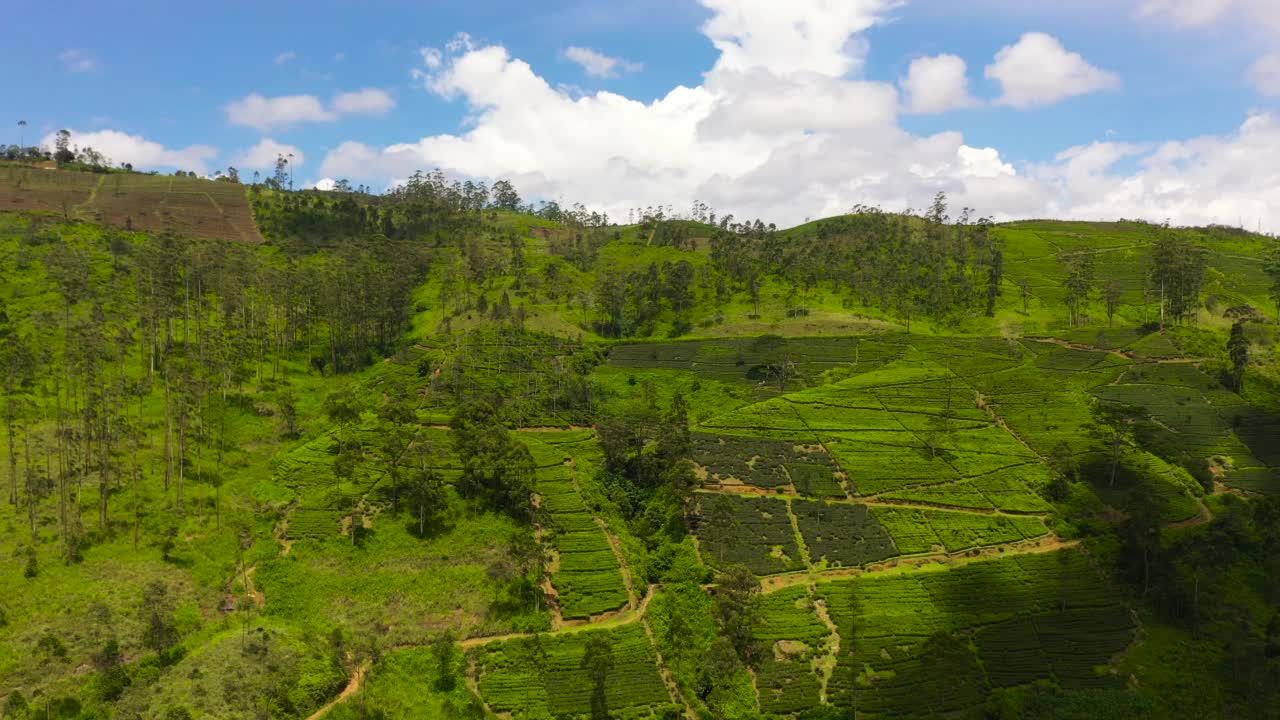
(419, 455)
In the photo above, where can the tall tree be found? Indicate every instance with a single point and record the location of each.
(1271, 264)
(1111, 294)
(1078, 284)
(597, 660)
(1178, 269)
(1238, 350)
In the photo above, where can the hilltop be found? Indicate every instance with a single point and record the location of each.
(437, 453)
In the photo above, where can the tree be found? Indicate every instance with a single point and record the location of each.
(497, 469)
(62, 147)
(737, 596)
(1078, 284)
(1271, 265)
(1238, 350)
(426, 495)
(775, 357)
(505, 196)
(22, 133)
(157, 606)
(281, 172)
(1111, 294)
(597, 660)
(1178, 268)
(1119, 421)
(444, 653)
(995, 274)
(343, 409)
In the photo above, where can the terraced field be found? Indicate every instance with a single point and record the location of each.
(894, 508)
(152, 203)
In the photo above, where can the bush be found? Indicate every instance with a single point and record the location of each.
(52, 645)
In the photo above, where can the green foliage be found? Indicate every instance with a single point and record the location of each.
(497, 468)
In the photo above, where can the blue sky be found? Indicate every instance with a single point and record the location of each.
(1107, 82)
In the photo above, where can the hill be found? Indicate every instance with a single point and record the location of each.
(425, 456)
(133, 201)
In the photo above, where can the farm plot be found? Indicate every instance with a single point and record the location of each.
(880, 469)
(1198, 427)
(764, 463)
(747, 530)
(921, 530)
(841, 534)
(588, 579)
(739, 360)
(790, 636)
(1005, 489)
(1035, 617)
(547, 676)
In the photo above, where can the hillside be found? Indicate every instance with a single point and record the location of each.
(276, 454)
(133, 201)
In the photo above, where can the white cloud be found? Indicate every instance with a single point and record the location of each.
(368, 101)
(1255, 21)
(265, 113)
(817, 36)
(780, 129)
(1209, 179)
(937, 84)
(285, 57)
(263, 155)
(1262, 15)
(1265, 74)
(597, 64)
(325, 184)
(1039, 71)
(78, 60)
(121, 147)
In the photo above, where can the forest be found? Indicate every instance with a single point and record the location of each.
(444, 452)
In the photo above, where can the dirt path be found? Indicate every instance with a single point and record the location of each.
(353, 687)
(1050, 543)
(1205, 515)
(625, 617)
(713, 489)
(614, 544)
(826, 664)
(673, 688)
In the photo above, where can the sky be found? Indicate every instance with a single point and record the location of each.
(784, 111)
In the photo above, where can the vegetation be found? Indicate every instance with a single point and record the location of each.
(439, 453)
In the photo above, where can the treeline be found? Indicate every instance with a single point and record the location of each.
(427, 207)
(928, 265)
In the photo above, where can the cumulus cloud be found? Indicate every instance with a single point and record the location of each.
(1038, 70)
(264, 153)
(1211, 179)
(325, 184)
(369, 101)
(78, 60)
(265, 113)
(285, 57)
(597, 64)
(937, 84)
(142, 153)
(782, 127)
(812, 36)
